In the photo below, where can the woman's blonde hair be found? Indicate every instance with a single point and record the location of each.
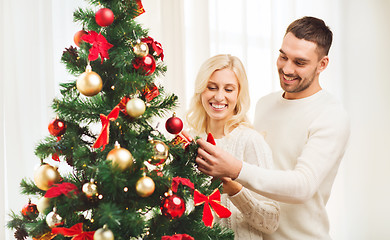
(196, 117)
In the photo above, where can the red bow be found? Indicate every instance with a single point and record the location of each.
(63, 188)
(178, 237)
(100, 45)
(76, 231)
(214, 199)
(154, 47)
(150, 92)
(122, 105)
(181, 139)
(103, 138)
(177, 180)
(140, 9)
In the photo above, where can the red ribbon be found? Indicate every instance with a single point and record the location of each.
(154, 46)
(122, 105)
(103, 138)
(178, 180)
(178, 237)
(63, 188)
(76, 231)
(150, 92)
(140, 9)
(181, 139)
(213, 200)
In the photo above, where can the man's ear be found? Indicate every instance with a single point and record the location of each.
(323, 63)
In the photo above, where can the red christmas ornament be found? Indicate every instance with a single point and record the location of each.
(30, 211)
(57, 127)
(210, 139)
(104, 17)
(146, 64)
(100, 46)
(77, 37)
(174, 125)
(173, 206)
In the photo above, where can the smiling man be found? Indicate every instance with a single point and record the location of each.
(307, 130)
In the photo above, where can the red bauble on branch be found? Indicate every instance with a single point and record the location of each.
(145, 65)
(77, 37)
(173, 206)
(104, 17)
(174, 125)
(30, 211)
(57, 127)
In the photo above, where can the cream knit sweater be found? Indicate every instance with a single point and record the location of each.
(308, 138)
(252, 214)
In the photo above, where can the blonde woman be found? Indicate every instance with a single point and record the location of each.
(219, 106)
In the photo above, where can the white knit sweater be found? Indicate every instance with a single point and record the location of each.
(252, 214)
(308, 138)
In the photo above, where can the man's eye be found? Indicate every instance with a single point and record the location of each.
(299, 63)
(283, 57)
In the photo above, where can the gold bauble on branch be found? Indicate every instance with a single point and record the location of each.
(145, 186)
(141, 49)
(43, 204)
(120, 157)
(90, 188)
(45, 176)
(160, 152)
(135, 107)
(89, 83)
(103, 234)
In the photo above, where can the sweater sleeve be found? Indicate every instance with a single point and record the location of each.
(321, 155)
(259, 212)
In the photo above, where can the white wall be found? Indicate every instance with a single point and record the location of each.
(367, 84)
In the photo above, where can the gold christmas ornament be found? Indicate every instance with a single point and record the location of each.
(145, 186)
(43, 204)
(120, 157)
(45, 176)
(135, 107)
(53, 219)
(103, 234)
(89, 83)
(141, 49)
(90, 189)
(160, 152)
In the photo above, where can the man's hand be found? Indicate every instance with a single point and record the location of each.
(215, 162)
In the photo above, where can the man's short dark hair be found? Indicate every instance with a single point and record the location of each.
(314, 30)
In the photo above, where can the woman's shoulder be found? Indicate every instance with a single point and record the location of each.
(248, 133)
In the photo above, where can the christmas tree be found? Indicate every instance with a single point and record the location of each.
(128, 179)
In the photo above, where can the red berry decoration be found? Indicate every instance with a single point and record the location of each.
(30, 211)
(104, 17)
(173, 206)
(174, 125)
(77, 37)
(57, 127)
(146, 64)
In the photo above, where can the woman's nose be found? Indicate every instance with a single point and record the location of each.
(219, 95)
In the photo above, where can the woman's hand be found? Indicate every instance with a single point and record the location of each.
(230, 187)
